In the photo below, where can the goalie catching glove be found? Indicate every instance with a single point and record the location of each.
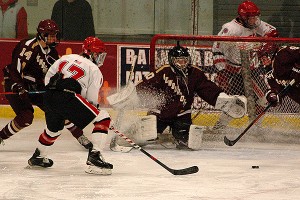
(234, 106)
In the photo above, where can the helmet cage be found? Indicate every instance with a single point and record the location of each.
(181, 62)
(251, 21)
(179, 58)
(95, 50)
(98, 58)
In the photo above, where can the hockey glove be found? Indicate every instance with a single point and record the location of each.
(102, 122)
(18, 88)
(52, 85)
(272, 98)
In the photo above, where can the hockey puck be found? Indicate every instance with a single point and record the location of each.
(255, 167)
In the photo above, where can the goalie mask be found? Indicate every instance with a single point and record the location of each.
(48, 32)
(93, 48)
(179, 59)
(249, 14)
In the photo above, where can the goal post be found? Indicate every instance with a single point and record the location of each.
(249, 81)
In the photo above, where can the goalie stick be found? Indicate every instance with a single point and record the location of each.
(185, 171)
(280, 94)
(113, 145)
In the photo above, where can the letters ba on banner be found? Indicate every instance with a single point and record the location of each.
(125, 60)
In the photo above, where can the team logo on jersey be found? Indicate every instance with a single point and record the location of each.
(175, 88)
(225, 30)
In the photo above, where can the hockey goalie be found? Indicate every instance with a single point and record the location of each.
(168, 95)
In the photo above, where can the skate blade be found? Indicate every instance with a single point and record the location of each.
(35, 167)
(98, 171)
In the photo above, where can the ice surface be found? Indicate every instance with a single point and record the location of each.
(225, 172)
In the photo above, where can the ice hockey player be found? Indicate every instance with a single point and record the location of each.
(285, 63)
(174, 86)
(73, 83)
(29, 65)
(226, 56)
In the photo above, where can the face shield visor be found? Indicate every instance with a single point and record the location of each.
(98, 58)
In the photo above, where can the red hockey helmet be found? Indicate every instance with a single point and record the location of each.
(94, 49)
(48, 28)
(248, 10)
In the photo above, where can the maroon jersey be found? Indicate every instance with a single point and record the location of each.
(287, 58)
(176, 93)
(30, 63)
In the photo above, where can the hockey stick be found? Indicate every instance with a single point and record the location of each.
(280, 94)
(185, 171)
(30, 92)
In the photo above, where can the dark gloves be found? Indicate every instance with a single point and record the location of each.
(273, 98)
(54, 81)
(18, 88)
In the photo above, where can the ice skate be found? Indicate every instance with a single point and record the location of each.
(97, 165)
(38, 161)
(181, 145)
(84, 141)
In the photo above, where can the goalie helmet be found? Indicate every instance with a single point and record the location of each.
(48, 32)
(249, 14)
(179, 59)
(93, 48)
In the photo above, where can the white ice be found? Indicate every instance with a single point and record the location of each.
(225, 172)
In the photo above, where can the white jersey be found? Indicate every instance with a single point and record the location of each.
(81, 69)
(227, 53)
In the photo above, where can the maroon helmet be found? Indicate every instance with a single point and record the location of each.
(267, 49)
(94, 49)
(48, 27)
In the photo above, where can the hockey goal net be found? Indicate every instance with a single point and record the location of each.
(283, 120)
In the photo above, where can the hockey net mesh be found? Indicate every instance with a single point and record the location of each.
(250, 81)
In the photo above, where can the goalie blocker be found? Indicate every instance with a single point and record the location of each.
(235, 106)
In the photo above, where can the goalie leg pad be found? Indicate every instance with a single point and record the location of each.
(195, 137)
(234, 106)
(143, 130)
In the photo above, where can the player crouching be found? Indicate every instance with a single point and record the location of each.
(168, 94)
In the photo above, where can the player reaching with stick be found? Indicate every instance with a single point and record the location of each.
(31, 60)
(285, 63)
(73, 83)
(227, 57)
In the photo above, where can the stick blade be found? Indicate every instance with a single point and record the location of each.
(228, 142)
(186, 171)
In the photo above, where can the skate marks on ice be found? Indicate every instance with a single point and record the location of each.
(225, 173)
